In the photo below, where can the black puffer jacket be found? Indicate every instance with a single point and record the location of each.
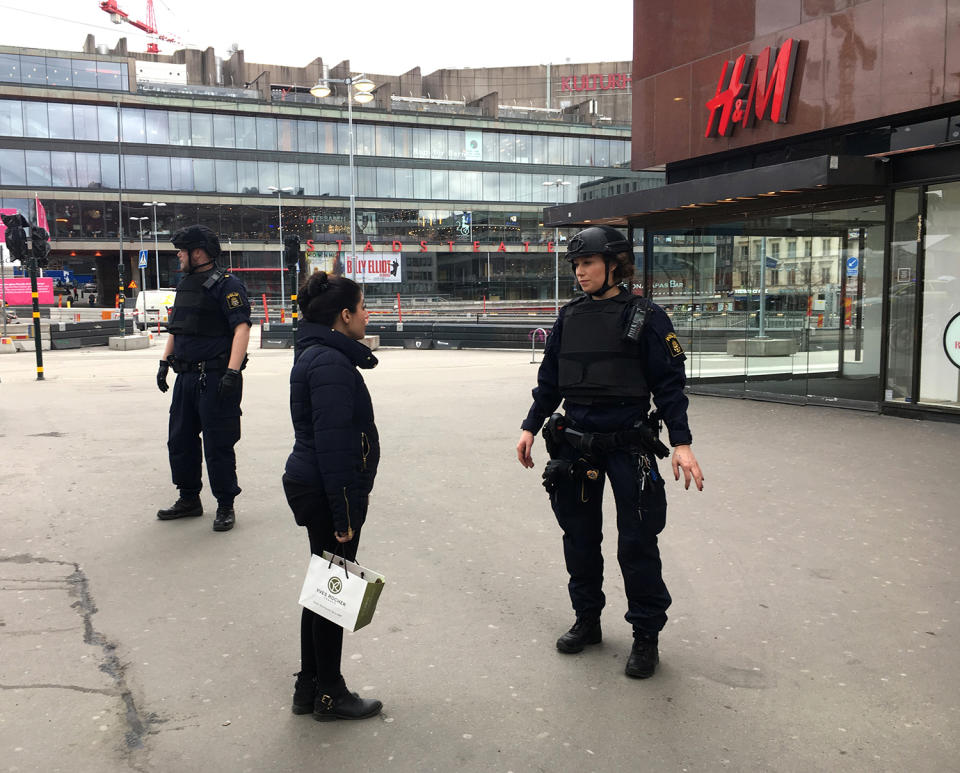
(336, 446)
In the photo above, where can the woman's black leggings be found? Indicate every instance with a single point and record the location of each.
(321, 641)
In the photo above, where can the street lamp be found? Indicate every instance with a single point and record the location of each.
(280, 192)
(364, 93)
(156, 245)
(557, 185)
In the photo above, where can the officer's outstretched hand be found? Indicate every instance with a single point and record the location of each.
(683, 458)
(162, 376)
(230, 383)
(523, 448)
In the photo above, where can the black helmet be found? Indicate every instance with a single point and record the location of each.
(598, 240)
(197, 236)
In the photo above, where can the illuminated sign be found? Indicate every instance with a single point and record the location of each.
(595, 82)
(749, 90)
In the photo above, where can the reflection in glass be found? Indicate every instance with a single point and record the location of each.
(38, 167)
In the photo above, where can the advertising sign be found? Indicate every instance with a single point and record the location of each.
(473, 147)
(17, 290)
(372, 269)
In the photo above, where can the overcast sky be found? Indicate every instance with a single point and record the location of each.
(394, 37)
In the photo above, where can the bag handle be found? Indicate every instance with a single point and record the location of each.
(342, 562)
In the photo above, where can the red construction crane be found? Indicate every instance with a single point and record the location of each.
(118, 16)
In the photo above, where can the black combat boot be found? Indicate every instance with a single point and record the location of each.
(187, 506)
(341, 704)
(304, 693)
(643, 657)
(585, 631)
(226, 518)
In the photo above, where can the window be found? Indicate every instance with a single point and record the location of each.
(10, 68)
(223, 132)
(438, 143)
(309, 179)
(60, 121)
(38, 167)
(201, 130)
(158, 128)
(33, 71)
(364, 136)
(267, 134)
(12, 169)
(289, 176)
(88, 170)
(267, 175)
(158, 172)
(109, 171)
(109, 75)
(63, 169)
(246, 133)
(386, 187)
(35, 119)
(179, 125)
(59, 72)
(135, 173)
(181, 174)
(774, 277)
(132, 125)
(203, 174)
(84, 73)
(824, 275)
(226, 172)
(329, 182)
(287, 134)
(11, 118)
(85, 125)
(307, 137)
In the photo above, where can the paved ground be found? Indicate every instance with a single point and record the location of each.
(814, 625)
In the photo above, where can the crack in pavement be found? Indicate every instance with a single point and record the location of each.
(78, 587)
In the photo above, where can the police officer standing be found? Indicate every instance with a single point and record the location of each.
(207, 348)
(608, 352)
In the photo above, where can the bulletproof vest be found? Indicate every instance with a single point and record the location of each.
(195, 311)
(595, 363)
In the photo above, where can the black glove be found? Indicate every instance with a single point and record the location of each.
(230, 383)
(554, 472)
(162, 375)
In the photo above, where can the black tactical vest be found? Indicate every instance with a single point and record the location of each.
(195, 311)
(595, 363)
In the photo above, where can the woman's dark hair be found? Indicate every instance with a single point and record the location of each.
(322, 297)
(624, 269)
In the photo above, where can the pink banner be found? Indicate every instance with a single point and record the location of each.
(18, 290)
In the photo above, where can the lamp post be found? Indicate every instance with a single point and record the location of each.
(143, 271)
(280, 192)
(557, 186)
(156, 245)
(364, 93)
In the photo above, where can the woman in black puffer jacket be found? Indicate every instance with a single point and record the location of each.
(330, 472)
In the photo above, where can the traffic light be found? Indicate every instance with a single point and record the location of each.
(291, 249)
(16, 237)
(40, 246)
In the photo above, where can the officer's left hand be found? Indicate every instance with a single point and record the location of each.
(230, 383)
(683, 457)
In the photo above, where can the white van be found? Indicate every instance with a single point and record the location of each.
(152, 305)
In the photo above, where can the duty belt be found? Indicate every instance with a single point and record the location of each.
(643, 436)
(185, 366)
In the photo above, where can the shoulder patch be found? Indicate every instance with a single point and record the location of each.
(673, 344)
(234, 301)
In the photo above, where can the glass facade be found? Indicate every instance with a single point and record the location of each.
(785, 307)
(30, 70)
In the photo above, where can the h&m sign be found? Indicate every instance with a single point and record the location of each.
(749, 90)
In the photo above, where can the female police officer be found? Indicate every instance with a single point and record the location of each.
(608, 352)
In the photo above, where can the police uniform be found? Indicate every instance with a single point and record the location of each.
(208, 306)
(606, 382)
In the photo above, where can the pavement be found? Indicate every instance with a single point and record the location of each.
(814, 624)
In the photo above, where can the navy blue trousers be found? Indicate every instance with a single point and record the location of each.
(641, 516)
(194, 412)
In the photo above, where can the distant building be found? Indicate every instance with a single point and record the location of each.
(450, 166)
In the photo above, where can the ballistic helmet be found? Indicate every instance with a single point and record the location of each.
(197, 236)
(600, 240)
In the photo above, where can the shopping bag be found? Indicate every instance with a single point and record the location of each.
(341, 590)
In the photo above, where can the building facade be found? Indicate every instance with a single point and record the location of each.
(806, 242)
(452, 169)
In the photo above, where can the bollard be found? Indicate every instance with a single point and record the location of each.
(533, 343)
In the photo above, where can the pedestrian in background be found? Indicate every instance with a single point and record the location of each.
(330, 472)
(606, 354)
(209, 330)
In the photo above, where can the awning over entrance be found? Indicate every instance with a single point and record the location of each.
(810, 181)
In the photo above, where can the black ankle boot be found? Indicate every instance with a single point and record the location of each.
(585, 631)
(643, 657)
(304, 693)
(225, 519)
(187, 506)
(346, 705)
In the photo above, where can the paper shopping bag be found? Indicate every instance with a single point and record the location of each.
(341, 590)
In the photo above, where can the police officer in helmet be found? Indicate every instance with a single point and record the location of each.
(608, 353)
(207, 348)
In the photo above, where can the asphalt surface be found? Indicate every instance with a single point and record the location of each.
(814, 624)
